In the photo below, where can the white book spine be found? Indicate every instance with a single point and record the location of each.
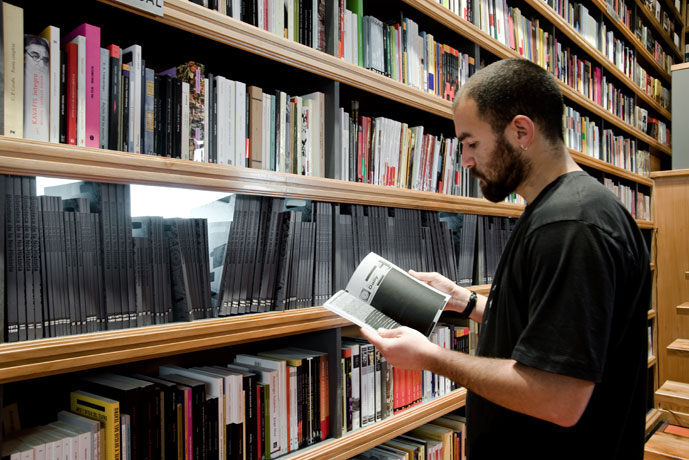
(265, 131)
(240, 125)
(202, 154)
(36, 89)
(81, 89)
(230, 86)
(135, 108)
(104, 110)
(52, 34)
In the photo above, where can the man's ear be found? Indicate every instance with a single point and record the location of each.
(522, 131)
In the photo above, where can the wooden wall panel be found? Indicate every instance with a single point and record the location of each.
(671, 203)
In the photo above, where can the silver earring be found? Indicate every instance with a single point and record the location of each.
(524, 148)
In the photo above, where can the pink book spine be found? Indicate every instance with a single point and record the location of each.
(92, 35)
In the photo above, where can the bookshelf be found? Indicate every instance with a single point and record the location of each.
(47, 357)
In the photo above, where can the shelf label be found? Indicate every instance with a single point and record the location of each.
(150, 6)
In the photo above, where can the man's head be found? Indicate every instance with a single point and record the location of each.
(499, 113)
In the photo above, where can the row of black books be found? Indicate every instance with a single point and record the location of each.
(281, 254)
(75, 262)
(257, 407)
(373, 389)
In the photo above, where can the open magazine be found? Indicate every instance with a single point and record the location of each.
(380, 294)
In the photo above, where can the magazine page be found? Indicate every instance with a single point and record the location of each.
(380, 294)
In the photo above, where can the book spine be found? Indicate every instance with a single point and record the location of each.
(91, 81)
(36, 88)
(104, 98)
(13, 64)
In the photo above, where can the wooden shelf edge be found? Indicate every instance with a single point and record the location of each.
(43, 357)
(652, 360)
(207, 23)
(670, 173)
(546, 11)
(463, 27)
(210, 24)
(645, 224)
(651, 314)
(363, 439)
(601, 165)
(650, 17)
(653, 417)
(23, 157)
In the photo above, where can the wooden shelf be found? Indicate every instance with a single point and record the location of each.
(601, 165)
(204, 22)
(645, 224)
(679, 346)
(650, 17)
(361, 440)
(653, 417)
(683, 309)
(671, 392)
(651, 314)
(652, 360)
(38, 358)
(23, 157)
(563, 26)
(665, 446)
(466, 29)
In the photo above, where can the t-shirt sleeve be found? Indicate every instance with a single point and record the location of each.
(571, 297)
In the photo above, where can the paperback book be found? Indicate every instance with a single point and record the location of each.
(381, 295)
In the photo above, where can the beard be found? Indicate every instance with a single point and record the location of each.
(506, 171)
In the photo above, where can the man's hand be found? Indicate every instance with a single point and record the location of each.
(459, 296)
(404, 348)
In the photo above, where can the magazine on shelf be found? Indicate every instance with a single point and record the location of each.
(381, 295)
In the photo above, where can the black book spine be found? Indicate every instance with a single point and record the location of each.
(115, 102)
(10, 329)
(82, 287)
(180, 305)
(168, 120)
(35, 259)
(21, 241)
(177, 117)
(157, 114)
(124, 105)
(124, 211)
(63, 97)
(118, 264)
(212, 104)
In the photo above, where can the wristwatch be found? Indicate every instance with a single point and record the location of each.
(470, 306)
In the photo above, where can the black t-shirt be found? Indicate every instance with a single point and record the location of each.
(570, 296)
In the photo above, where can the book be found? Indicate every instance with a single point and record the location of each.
(104, 410)
(13, 70)
(80, 70)
(96, 427)
(381, 295)
(52, 34)
(91, 81)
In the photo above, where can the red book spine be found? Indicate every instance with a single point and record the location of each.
(71, 99)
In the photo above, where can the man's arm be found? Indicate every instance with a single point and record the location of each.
(552, 397)
(459, 296)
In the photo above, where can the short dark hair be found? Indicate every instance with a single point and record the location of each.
(517, 86)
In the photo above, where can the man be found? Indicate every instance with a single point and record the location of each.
(561, 363)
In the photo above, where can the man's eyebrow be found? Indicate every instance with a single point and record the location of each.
(463, 136)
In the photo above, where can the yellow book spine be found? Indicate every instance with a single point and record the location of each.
(107, 412)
